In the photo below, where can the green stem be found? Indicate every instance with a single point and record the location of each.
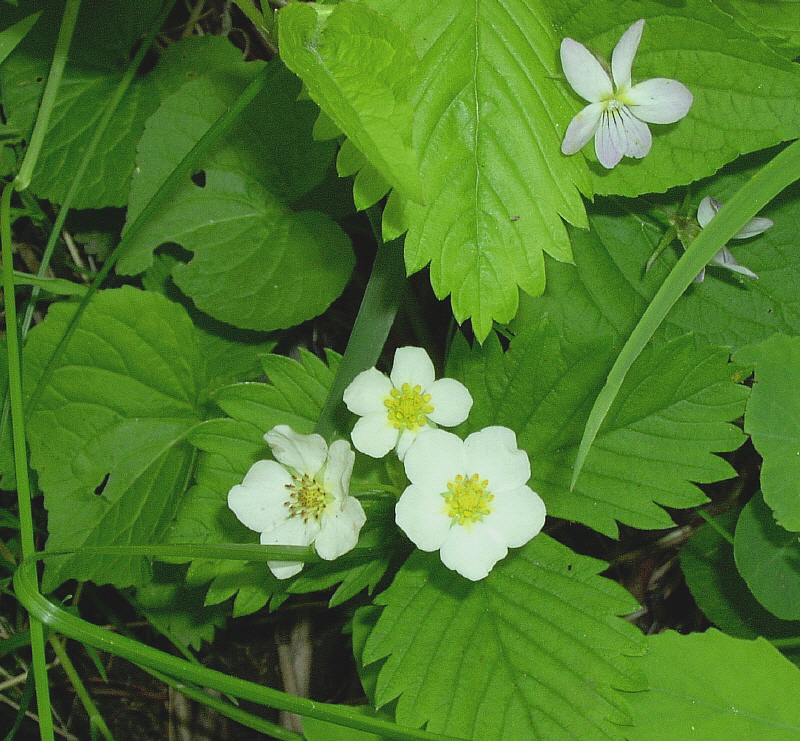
(782, 171)
(21, 454)
(68, 20)
(385, 290)
(713, 523)
(95, 719)
(27, 591)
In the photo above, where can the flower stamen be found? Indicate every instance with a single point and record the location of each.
(308, 499)
(468, 500)
(408, 408)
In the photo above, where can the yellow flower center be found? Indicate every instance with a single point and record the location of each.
(468, 499)
(408, 407)
(307, 498)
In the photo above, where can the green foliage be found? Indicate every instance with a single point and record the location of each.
(532, 651)
(257, 263)
(710, 686)
(719, 590)
(488, 109)
(771, 420)
(107, 433)
(359, 67)
(671, 414)
(768, 558)
(608, 289)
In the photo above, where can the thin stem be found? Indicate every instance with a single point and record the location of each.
(95, 719)
(68, 20)
(21, 454)
(713, 523)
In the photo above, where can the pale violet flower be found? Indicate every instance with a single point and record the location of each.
(707, 210)
(395, 409)
(301, 499)
(469, 499)
(618, 111)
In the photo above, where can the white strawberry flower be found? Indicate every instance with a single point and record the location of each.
(397, 408)
(618, 111)
(469, 499)
(301, 498)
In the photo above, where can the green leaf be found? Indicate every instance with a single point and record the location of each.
(607, 289)
(531, 652)
(712, 687)
(320, 730)
(107, 435)
(14, 34)
(359, 68)
(489, 109)
(775, 23)
(773, 422)
(672, 413)
(79, 107)
(744, 93)
(719, 590)
(257, 264)
(768, 558)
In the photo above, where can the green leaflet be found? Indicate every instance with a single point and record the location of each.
(716, 688)
(768, 558)
(489, 109)
(531, 652)
(773, 422)
(126, 391)
(359, 68)
(775, 23)
(672, 412)
(744, 93)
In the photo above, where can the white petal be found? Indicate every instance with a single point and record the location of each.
(637, 136)
(700, 277)
(285, 569)
(435, 458)
(408, 438)
(421, 514)
(304, 453)
(725, 259)
(412, 365)
(582, 128)
(293, 532)
(659, 101)
(374, 435)
(707, 210)
(258, 502)
(493, 454)
(340, 530)
(623, 54)
(367, 392)
(339, 468)
(516, 516)
(609, 141)
(753, 227)
(472, 552)
(583, 72)
(451, 402)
